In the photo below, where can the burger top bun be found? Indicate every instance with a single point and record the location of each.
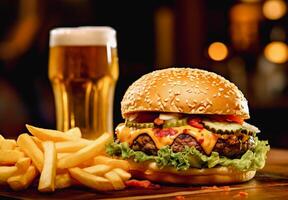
(184, 90)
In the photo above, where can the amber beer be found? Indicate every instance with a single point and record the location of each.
(83, 70)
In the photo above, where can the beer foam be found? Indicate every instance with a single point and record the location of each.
(83, 36)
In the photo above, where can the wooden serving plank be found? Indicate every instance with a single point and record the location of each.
(269, 183)
(263, 183)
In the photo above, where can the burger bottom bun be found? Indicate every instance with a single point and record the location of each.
(204, 177)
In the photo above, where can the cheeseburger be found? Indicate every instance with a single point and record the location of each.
(187, 126)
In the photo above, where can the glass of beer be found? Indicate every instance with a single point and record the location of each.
(83, 70)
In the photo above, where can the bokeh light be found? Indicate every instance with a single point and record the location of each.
(276, 52)
(217, 51)
(274, 9)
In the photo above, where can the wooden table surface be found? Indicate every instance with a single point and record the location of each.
(269, 183)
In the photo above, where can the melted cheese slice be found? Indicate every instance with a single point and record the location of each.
(205, 138)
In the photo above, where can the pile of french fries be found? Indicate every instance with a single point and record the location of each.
(60, 160)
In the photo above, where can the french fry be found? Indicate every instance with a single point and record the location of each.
(63, 181)
(86, 153)
(71, 146)
(49, 134)
(115, 179)
(10, 157)
(38, 142)
(98, 170)
(7, 144)
(62, 155)
(59, 157)
(115, 163)
(28, 145)
(22, 181)
(89, 180)
(86, 163)
(74, 132)
(47, 177)
(6, 172)
(1, 138)
(23, 164)
(122, 173)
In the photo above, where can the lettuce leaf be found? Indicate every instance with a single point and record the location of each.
(191, 157)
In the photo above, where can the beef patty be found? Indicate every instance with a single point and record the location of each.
(228, 145)
(144, 143)
(185, 140)
(234, 145)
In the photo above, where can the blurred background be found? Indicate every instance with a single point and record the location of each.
(244, 41)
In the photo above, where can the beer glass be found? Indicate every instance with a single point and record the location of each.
(83, 70)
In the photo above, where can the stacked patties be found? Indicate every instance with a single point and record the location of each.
(187, 126)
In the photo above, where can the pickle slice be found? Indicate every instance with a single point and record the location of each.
(139, 125)
(175, 123)
(250, 128)
(226, 127)
(222, 127)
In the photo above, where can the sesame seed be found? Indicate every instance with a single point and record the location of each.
(201, 108)
(189, 105)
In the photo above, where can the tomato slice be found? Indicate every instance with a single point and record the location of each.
(227, 118)
(195, 122)
(234, 118)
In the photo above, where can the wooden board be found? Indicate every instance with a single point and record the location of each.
(269, 183)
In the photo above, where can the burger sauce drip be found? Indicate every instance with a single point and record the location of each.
(165, 132)
(201, 140)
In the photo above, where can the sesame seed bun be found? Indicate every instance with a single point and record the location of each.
(192, 176)
(184, 90)
(196, 179)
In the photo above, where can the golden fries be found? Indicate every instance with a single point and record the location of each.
(7, 144)
(63, 181)
(23, 164)
(115, 179)
(74, 132)
(6, 172)
(62, 155)
(1, 138)
(86, 153)
(22, 181)
(10, 157)
(115, 163)
(62, 158)
(90, 180)
(98, 170)
(122, 173)
(49, 135)
(28, 145)
(71, 146)
(47, 177)
(38, 142)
